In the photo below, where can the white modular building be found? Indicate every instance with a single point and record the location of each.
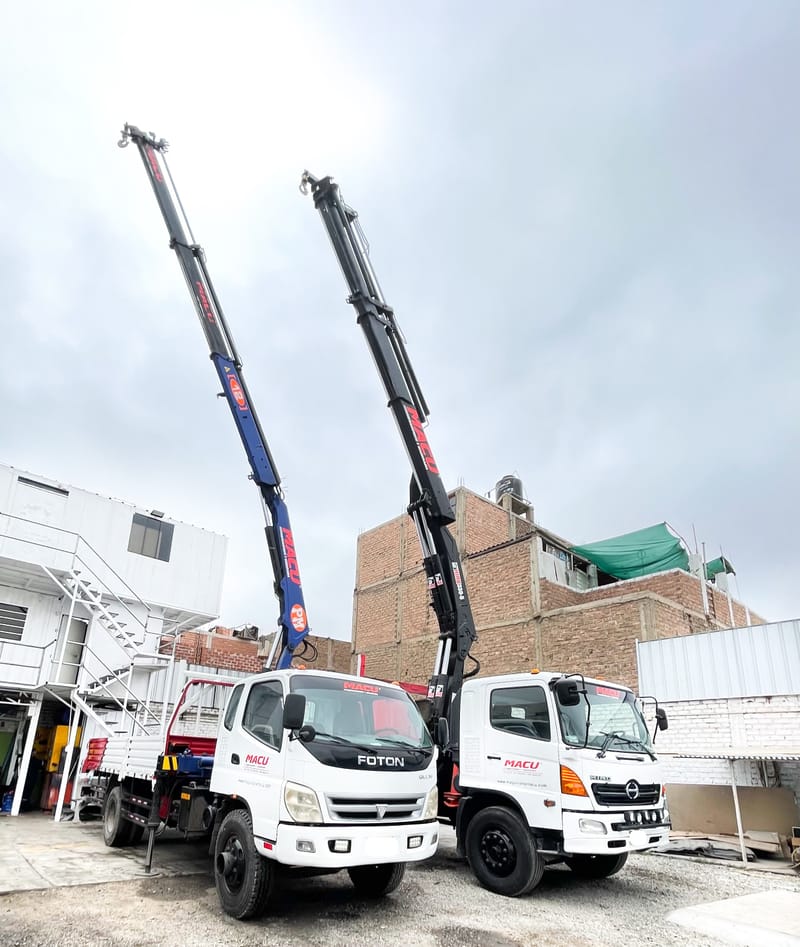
(92, 592)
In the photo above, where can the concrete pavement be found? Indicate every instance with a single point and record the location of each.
(36, 852)
(764, 919)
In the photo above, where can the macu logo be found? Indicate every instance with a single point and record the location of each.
(258, 760)
(522, 764)
(205, 305)
(422, 440)
(381, 761)
(292, 568)
(154, 164)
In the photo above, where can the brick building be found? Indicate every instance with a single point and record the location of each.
(233, 649)
(536, 603)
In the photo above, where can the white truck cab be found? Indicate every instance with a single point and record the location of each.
(554, 768)
(331, 772)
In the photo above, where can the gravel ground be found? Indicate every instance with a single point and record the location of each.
(438, 905)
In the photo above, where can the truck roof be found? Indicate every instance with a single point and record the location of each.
(539, 677)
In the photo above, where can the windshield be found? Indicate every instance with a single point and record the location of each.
(361, 713)
(615, 722)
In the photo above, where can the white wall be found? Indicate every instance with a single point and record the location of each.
(709, 725)
(39, 519)
(20, 662)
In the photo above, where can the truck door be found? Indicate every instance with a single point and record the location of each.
(522, 751)
(251, 753)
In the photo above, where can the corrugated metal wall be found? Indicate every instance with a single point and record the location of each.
(758, 661)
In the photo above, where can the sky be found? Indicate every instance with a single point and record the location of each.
(584, 215)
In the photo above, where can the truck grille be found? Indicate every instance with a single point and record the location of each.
(626, 794)
(375, 808)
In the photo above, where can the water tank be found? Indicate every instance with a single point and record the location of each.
(508, 485)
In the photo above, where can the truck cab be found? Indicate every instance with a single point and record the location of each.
(354, 783)
(319, 771)
(569, 758)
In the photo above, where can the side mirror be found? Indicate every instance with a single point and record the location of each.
(294, 710)
(567, 693)
(661, 719)
(442, 732)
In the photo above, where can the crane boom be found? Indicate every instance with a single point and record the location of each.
(292, 618)
(430, 507)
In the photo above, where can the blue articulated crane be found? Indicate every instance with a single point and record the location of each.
(291, 642)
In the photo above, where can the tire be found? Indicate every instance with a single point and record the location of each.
(501, 852)
(374, 881)
(136, 833)
(245, 887)
(116, 830)
(597, 866)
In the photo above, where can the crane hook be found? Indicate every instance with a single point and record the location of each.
(304, 183)
(124, 139)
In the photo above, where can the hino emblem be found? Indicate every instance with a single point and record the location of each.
(632, 790)
(381, 810)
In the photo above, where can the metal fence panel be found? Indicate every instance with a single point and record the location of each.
(756, 661)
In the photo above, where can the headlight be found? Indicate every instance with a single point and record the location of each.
(302, 803)
(431, 809)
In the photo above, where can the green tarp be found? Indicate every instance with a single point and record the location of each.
(718, 565)
(649, 550)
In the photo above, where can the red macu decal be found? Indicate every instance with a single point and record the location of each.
(259, 760)
(236, 391)
(366, 688)
(609, 692)
(522, 764)
(151, 157)
(205, 305)
(292, 567)
(422, 440)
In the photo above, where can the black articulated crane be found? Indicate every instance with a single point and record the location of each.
(291, 641)
(526, 773)
(429, 507)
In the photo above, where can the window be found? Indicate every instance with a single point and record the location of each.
(150, 537)
(233, 703)
(12, 621)
(521, 711)
(263, 715)
(47, 487)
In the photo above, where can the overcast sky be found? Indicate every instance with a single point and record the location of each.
(585, 216)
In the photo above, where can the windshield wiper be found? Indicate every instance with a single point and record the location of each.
(342, 740)
(618, 736)
(403, 745)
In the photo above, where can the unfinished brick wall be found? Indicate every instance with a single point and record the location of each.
(522, 621)
(486, 524)
(219, 649)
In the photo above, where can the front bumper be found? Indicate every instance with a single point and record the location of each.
(584, 838)
(369, 845)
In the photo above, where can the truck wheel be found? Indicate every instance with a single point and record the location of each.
(116, 829)
(501, 852)
(374, 881)
(244, 878)
(137, 833)
(597, 866)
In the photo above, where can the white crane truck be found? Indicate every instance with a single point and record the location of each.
(308, 769)
(533, 768)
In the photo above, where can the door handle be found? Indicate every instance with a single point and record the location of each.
(492, 757)
(235, 758)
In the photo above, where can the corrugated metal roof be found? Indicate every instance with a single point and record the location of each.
(766, 753)
(756, 661)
